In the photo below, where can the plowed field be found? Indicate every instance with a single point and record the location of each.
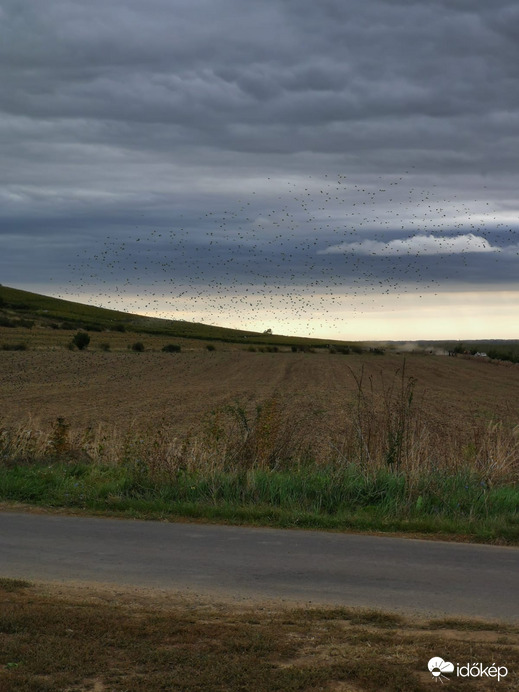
(91, 387)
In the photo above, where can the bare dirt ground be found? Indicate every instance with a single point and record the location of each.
(121, 387)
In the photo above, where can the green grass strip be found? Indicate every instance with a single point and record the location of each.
(311, 498)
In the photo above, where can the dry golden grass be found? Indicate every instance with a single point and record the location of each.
(81, 639)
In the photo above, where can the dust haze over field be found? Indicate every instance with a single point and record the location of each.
(319, 170)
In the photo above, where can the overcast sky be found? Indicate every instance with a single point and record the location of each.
(343, 169)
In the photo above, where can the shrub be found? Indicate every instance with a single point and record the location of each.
(105, 346)
(302, 348)
(339, 349)
(171, 348)
(138, 346)
(14, 347)
(119, 328)
(81, 340)
(28, 324)
(211, 347)
(6, 322)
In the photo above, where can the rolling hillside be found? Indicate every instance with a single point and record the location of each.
(25, 309)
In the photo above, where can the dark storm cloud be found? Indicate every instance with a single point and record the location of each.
(259, 76)
(120, 118)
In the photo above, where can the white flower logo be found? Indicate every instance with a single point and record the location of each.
(438, 667)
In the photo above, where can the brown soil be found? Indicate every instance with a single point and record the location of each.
(123, 387)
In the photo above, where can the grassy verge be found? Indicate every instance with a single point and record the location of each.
(95, 641)
(316, 498)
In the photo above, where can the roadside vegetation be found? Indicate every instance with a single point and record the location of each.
(388, 466)
(129, 641)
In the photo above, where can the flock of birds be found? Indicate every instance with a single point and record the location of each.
(301, 251)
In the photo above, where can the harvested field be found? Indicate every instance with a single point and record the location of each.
(420, 443)
(125, 387)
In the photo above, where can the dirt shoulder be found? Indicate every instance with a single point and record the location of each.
(93, 638)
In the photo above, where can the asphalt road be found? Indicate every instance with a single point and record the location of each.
(397, 574)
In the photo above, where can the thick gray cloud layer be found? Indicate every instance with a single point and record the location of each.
(312, 134)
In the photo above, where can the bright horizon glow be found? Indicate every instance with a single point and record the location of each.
(411, 316)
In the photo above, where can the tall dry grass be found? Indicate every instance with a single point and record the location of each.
(387, 426)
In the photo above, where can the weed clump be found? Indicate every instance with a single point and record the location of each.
(138, 346)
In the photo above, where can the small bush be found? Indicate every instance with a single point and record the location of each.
(28, 324)
(339, 349)
(6, 322)
(252, 349)
(14, 347)
(105, 346)
(211, 347)
(171, 348)
(81, 340)
(119, 328)
(138, 346)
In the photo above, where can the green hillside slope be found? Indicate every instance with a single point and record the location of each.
(21, 308)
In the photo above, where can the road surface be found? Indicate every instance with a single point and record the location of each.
(397, 574)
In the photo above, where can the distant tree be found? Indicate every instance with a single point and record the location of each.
(81, 340)
(267, 331)
(138, 346)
